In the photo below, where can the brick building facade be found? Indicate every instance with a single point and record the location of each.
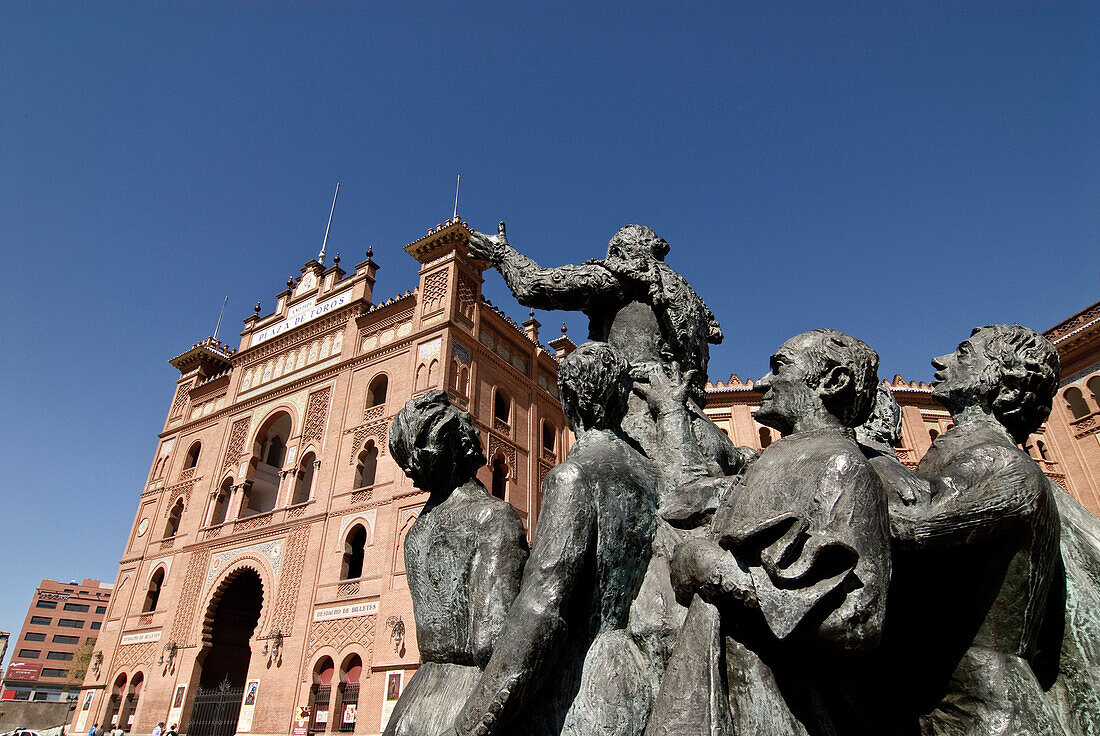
(264, 571)
(61, 619)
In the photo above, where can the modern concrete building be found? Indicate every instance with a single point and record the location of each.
(62, 618)
(264, 571)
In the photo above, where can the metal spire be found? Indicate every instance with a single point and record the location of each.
(321, 255)
(220, 314)
(457, 184)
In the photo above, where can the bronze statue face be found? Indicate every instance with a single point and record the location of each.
(434, 442)
(788, 395)
(965, 376)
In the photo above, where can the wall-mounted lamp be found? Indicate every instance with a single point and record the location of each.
(97, 660)
(167, 662)
(275, 648)
(397, 631)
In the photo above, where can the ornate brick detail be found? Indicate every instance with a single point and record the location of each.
(212, 533)
(168, 544)
(337, 633)
(187, 474)
(180, 401)
(130, 654)
(193, 581)
(374, 412)
(544, 468)
(502, 426)
(346, 590)
(363, 496)
(182, 490)
(1086, 426)
(295, 512)
(549, 456)
(235, 447)
(502, 447)
(379, 430)
(290, 579)
(316, 414)
(435, 291)
(467, 297)
(254, 522)
(145, 619)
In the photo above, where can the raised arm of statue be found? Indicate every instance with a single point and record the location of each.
(987, 494)
(566, 287)
(680, 459)
(494, 581)
(530, 641)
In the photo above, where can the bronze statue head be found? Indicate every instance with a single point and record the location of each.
(815, 372)
(883, 427)
(594, 381)
(435, 443)
(1008, 371)
(633, 249)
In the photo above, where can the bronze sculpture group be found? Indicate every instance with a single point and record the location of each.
(677, 584)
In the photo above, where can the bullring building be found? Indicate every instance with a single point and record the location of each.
(263, 579)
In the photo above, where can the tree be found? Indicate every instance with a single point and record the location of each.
(81, 658)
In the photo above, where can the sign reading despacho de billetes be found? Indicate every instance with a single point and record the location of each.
(301, 313)
(350, 611)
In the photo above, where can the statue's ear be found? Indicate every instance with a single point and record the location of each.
(836, 381)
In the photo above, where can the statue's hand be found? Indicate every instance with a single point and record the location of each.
(665, 389)
(488, 247)
(702, 566)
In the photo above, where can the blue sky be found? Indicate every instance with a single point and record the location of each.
(899, 171)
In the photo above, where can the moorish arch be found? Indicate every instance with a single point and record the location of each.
(269, 455)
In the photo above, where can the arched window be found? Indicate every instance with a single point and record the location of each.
(1094, 386)
(433, 373)
(348, 697)
(320, 695)
(174, 515)
(193, 456)
(152, 596)
(463, 380)
(549, 437)
(376, 394)
(933, 434)
(502, 406)
(303, 486)
(1044, 453)
(115, 701)
(221, 503)
(765, 437)
(355, 544)
(1077, 403)
(129, 706)
(270, 449)
(367, 466)
(500, 477)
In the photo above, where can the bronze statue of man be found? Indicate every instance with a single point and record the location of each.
(976, 563)
(463, 557)
(798, 560)
(566, 662)
(640, 306)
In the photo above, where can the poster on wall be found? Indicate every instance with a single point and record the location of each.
(85, 706)
(391, 695)
(350, 711)
(176, 710)
(301, 721)
(248, 707)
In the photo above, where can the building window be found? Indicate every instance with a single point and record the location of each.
(41, 620)
(101, 609)
(549, 436)
(34, 636)
(1077, 405)
(22, 695)
(502, 407)
(321, 694)
(276, 452)
(63, 639)
(1044, 453)
(173, 524)
(41, 697)
(95, 625)
(348, 697)
(765, 437)
(303, 485)
(221, 503)
(62, 656)
(50, 672)
(70, 623)
(500, 477)
(30, 653)
(354, 550)
(152, 597)
(1094, 386)
(376, 394)
(367, 467)
(77, 607)
(193, 456)
(46, 604)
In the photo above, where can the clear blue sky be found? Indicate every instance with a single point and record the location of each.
(899, 171)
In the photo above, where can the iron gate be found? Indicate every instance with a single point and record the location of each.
(216, 710)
